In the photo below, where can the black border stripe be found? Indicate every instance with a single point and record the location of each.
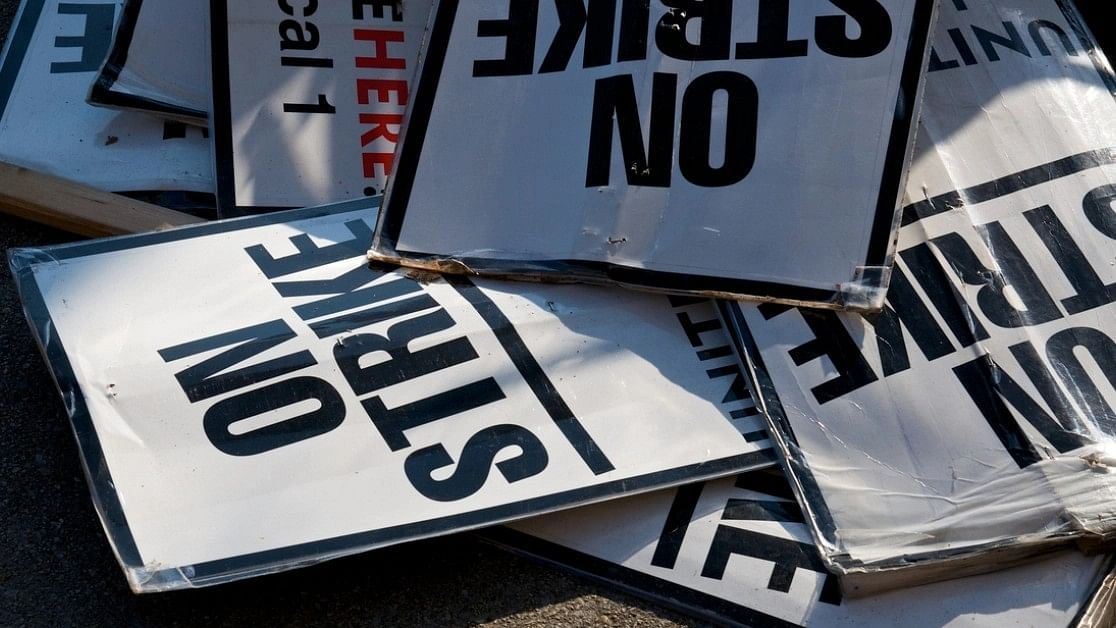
(217, 571)
(898, 153)
(807, 490)
(1008, 184)
(220, 120)
(19, 40)
(534, 375)
(101, 93)
(642, 585)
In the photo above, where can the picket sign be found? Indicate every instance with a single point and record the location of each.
(737, 551)
(734, 149)
(970, 424)
(250, 396)
(52, 55)
(308, 98)
(157, 63)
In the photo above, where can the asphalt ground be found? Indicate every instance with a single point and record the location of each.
(56, 567)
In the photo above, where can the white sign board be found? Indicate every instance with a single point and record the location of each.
(970, 422)
(293, 404)
(53, 53)
(737, 552)
(722, 148)
(158, 61)
(308, 98)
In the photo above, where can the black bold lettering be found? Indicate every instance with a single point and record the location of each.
(633, 30)
(714, 32)
(741, 117)
(614, 100)
(831, 31)
(1015, 272)
(212, 377)
(1036, 28)
(786, 556)
(476, 461)
(311, 6)
(402, 363)
(905, 309)
(272, 398)
(294, 35)
(1098, 206)
(678, 519)
(947, 299)
(310, 255)
(1011, 40)
(322, 106)
(392, 423)
(992, 389)
(1060, 349)
(833, 341)
(1092, 292)
(518, 31)
(94, 42)
(773, 34)
(573, 18)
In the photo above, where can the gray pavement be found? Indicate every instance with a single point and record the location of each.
(56, 567)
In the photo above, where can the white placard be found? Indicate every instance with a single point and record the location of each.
(308, 98)
(53, 53)
(971, 422)
(737, 551)
(158, 62)
(250, 396)
(724, 148)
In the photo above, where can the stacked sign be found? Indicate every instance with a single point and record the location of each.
(969, 424)
(944, 409)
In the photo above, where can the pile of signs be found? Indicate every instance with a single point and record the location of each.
(457, 320)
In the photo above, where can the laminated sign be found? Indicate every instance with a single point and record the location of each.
(53, 54)
(308, 98)
(739, 149)
(275, 402)
(157, 63)
(971, 422)
(736, 551)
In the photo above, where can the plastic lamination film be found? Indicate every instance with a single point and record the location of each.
(737, 551)
(294, 405)
(157, 63)
(970, 423)
(53, 53)
(728, 149)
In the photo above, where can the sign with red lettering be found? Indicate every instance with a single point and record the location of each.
(308, 98)
(971, 422)
(729, 148)
(736, 551)
(277, 402)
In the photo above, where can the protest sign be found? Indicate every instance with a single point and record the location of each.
(737, 551)
(275, 402)
(157, 63)
(722, 148)
(52, 55)
(308, 98)
(970, 423)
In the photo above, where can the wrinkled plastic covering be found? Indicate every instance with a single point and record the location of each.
(52, 54)
(970, 423)
(158, 61)
(736, 551)
(700, 158)
(250, 396)
(308, 102)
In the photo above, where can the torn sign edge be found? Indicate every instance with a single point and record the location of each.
(144, 578)
(106, 93)
(865, 291)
